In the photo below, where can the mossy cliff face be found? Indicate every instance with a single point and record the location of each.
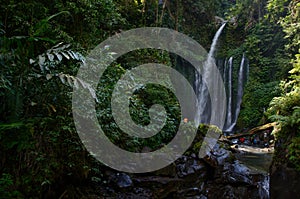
(284, 182)
(284, 171)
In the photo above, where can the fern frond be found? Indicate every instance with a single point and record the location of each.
(74, 82)
(53, 56)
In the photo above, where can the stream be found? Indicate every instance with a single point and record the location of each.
(258, 160)
(229, 171)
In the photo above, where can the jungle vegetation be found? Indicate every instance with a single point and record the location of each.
(43, 44)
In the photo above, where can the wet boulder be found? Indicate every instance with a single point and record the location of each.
(122, 180)
(237, 173)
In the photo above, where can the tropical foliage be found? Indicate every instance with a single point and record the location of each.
(43, 44)
(286, 108)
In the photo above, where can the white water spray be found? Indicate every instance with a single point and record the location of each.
(242, 77)
(203, 115)
(229, 104)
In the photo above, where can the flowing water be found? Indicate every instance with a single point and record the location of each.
(241, 83)
(234, 100)
(203, 107)
(234, 104)
(258, 160)
(229, 104)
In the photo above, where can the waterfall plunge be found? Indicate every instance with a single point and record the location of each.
(229, 103)
(203, 106)
(232, 115)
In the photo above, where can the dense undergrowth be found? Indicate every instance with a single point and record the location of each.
(44, 43)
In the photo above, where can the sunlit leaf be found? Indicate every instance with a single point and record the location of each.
(59, 57)
(71, 54)
(50, 56)
(69, 80)
(31, 61)
(57, 45)
(66, 55)
(41, 62)
(49, 76)
(62, 78)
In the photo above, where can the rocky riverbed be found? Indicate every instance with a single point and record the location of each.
(221, 174)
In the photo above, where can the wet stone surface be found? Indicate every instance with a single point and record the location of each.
(219, 175)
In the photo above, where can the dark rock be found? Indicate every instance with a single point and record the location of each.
(263, 187)
(284, 182)
(190, 177)
(160, 186)
(188, 165)
(197, 197)
(122, 180)
(137, 193)
(237, 173)
(190, 192)
(232, 179)
(169, 171)
(217, 156)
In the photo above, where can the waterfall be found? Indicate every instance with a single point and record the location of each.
(203, 107)
(204, 100)
(215, 41)
(264, 187)
(229, 103)
(242, 77)
(224, 71)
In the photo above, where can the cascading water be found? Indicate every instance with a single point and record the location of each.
(231, 120)
(229, 104)
(225, 70)
(215, 41)
(203, 107)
